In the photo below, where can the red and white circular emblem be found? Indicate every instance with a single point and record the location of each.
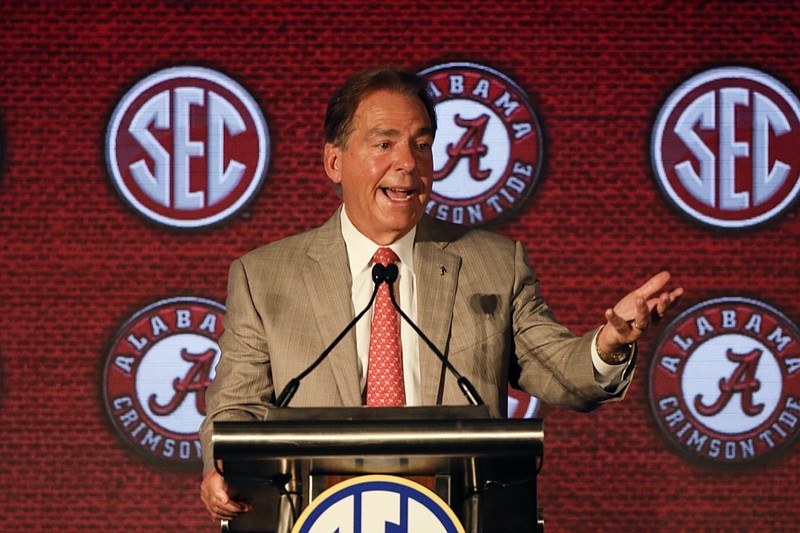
(488, 149)
(725, 147)
(725, 381)
(187, 147)
(156, 374)
(521, 404)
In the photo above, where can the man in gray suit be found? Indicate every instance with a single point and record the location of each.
(473, 292)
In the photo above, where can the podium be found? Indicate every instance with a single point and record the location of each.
(484, 469)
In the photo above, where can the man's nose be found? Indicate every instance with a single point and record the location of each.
(405, 157)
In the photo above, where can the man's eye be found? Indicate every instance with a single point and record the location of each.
(383, 145)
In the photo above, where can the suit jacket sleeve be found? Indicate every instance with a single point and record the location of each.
(242, 387)
(556, 365)
(480, 298)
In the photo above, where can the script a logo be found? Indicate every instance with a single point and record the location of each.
(187, 147)
(378, 503)
(725, 147)
(725, 381)
(488, 149)
(156, 375)
(742, 381)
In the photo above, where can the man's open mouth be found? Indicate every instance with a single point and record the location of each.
(397, 194)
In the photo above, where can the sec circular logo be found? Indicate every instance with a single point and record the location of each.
(725, 382)
(724, 147)
(378, 503)
(488, 149)
(156, 375)
(187, 147)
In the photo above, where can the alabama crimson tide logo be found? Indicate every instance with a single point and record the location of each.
(725, 147)
(488, 149)
(725, 381)
(187, 147)
(156, 374)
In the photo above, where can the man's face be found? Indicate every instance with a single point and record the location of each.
(385, 168)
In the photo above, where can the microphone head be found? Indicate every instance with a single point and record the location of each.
(378, 273)
(391, 273)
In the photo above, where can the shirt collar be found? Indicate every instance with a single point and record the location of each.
(360, 249)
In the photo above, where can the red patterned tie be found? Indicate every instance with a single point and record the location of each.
(385, 386)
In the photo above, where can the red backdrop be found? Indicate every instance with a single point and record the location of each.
(76, 262)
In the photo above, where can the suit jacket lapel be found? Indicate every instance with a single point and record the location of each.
(329, 283)
(437, 280)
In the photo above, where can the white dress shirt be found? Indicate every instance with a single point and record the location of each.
(359, 254)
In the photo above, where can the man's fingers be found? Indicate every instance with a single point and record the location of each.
(226, 510)
(655, 284)
(665, 302)
(662, 306)
(223, 515)
(642, 319)
(214, 494)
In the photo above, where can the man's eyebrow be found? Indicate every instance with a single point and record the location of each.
(383, 132)
(427, 130)
(391, 132)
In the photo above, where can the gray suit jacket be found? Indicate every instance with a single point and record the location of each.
(478, 301)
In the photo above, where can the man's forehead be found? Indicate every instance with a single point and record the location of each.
(386, 99)
(376, 109)
(379, 131)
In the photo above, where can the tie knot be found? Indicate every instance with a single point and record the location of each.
(385, 256)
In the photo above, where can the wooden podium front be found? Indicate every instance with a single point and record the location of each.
(484, 469)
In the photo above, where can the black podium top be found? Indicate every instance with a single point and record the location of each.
(405, 434)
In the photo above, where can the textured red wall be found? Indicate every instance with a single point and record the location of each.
(76, 262)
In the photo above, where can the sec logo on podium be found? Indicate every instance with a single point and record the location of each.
(378, 504)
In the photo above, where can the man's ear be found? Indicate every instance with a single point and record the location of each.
(332, 161)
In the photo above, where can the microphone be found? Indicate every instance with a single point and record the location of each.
(378, 277)
(469, 391)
